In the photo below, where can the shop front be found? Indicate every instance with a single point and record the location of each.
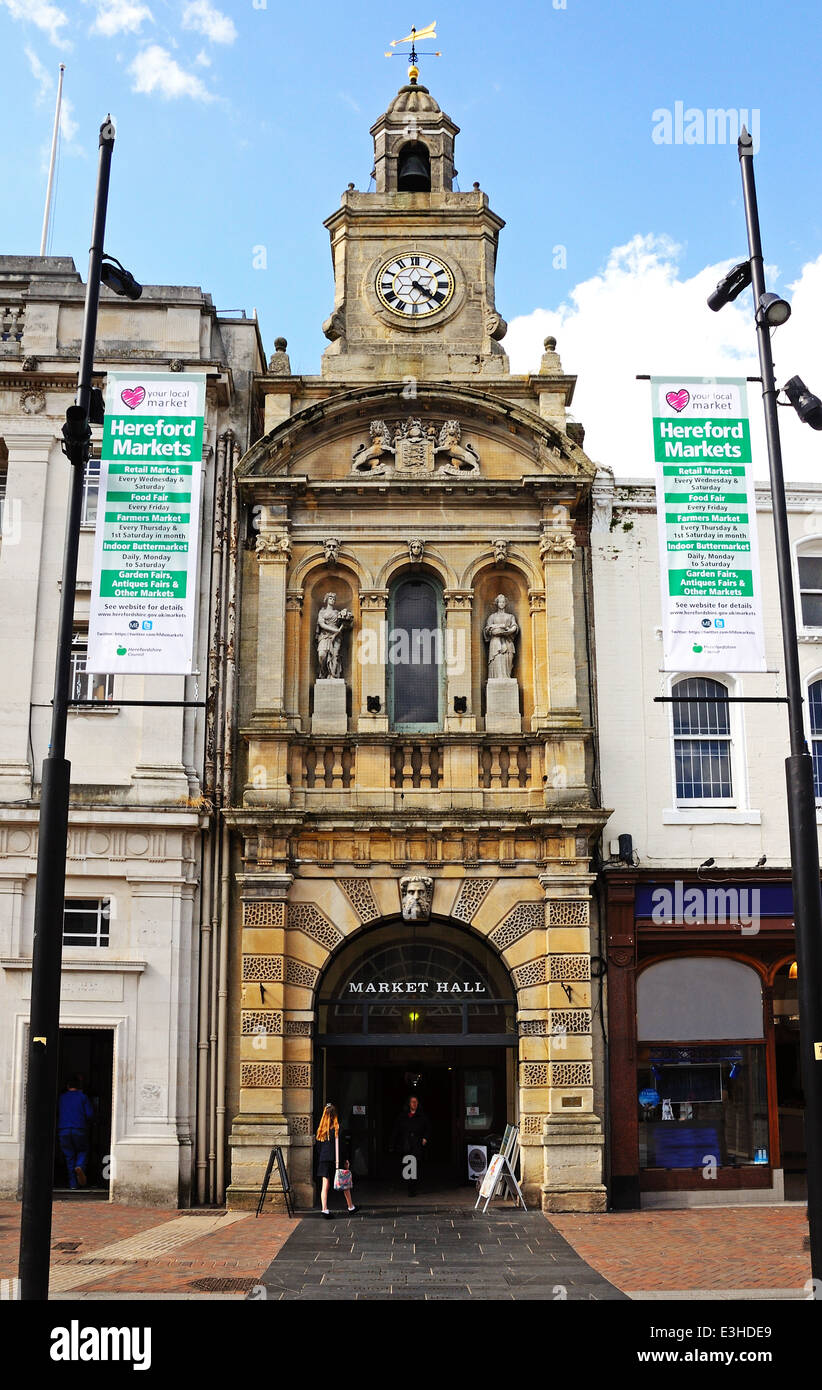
(705, 1098)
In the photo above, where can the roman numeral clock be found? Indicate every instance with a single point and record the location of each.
(414, 285)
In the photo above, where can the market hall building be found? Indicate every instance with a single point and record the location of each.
(414, 802)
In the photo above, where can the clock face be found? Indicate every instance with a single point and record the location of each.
(415, 285)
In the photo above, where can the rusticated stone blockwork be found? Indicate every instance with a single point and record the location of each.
(568, 967)
(361, 896)
(264, 914)
(533, 1074)
(571, 1021)
(298, 1074)
(569, 912)
(261, 1074)
(572, 1074)
(308, 918)
(531, 1126)
(532, 973)
(262, 1021)
(263, 968)
(297, 973)
(520, 920)
(533, 1027)
(298, 1028)
(472, 895)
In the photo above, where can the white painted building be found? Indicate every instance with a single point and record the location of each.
(692, 783)
(144, 780)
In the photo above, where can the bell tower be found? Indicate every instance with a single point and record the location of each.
(414, 260)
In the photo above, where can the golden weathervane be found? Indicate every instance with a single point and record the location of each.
(427, 33)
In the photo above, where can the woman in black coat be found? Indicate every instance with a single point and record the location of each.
(410, 1135)
(328, 1144)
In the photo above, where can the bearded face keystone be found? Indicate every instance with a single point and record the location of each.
(416, 891)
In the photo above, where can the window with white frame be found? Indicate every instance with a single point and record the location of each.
(4, 474)
(702, 742)
(86, 921)
(815, 719)
(91, 490)
(85, 685)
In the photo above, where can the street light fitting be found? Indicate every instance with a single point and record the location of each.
(76, 434)
(730, 286)
(772, 310)
(118, 279)
(807, 406)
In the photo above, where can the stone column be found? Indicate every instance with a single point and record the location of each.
(261, 1124)
(573, 1139)
(20, 561)
(457, 655)
(539, 648)
(293, 615)
(370, 647)
(556, 548)
(273, 554)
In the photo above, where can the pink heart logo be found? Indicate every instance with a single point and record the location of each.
(133, 395)
(678, 400)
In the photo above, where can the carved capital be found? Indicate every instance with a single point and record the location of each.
(294, 600)
(557, 545)
(536, 600)
(373, 599)
(459, 599)
(273, 545)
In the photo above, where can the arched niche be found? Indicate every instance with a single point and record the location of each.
(488, 583)
(338, 580)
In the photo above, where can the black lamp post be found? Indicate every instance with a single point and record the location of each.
(44, 1027)
(770, 311)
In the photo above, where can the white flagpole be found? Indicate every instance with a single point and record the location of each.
(47, 211)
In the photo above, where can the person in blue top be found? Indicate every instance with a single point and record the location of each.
(74, 1115)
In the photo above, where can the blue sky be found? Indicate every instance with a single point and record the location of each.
(239, 124)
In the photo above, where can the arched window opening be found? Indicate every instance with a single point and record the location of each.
(702, 741)
(415, 655)
(414, 168)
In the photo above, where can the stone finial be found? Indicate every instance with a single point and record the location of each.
(550, 358)
(279, 363)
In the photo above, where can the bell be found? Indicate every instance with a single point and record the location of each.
(413, 175)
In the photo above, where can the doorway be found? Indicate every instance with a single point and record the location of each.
(87, 1054)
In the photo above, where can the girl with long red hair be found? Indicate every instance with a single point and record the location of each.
(328, 1158)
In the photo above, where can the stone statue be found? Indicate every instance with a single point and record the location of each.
(331, 624)
(416, 891)
(499, 632)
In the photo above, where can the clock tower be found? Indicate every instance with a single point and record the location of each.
(414, 260)
(413, 799)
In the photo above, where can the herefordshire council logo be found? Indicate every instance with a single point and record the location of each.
(678, 400)
(132, 396)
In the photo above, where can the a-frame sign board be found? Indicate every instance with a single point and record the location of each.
(500, 1173)
(276, 1156)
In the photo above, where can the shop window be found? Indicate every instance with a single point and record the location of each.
(415, 656)
(809, 568)
(86, 921)
(4, 474)
(702, 743)
(84, 684)
(91, 489)
(815, 717)
(701, 1081)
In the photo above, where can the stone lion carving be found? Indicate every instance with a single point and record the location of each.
(416, 892)
(460, 460)
(368, 457)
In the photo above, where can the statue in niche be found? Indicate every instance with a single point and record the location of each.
(332, 623)
(500, 632)
(416, 891)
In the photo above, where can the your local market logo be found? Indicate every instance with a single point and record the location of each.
(694, 125)
(133, 396)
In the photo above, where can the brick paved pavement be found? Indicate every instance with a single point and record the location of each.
(716, 1250)
(753, 1247)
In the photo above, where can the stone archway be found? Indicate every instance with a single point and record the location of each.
(293, 928)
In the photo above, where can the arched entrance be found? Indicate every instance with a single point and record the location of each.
(427, 1010)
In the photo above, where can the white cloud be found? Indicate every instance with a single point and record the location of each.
(639, 315)
(41, 75)
(201, 16)
(68, 125)
(155, 71)
(120, 17)
(202, 60)
(47, 17)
